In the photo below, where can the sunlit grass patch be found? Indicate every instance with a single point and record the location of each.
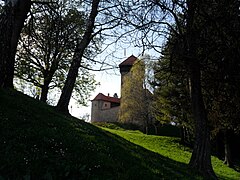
(171, 148)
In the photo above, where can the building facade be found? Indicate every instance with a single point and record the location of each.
(105, 108)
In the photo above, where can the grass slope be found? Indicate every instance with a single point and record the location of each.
(169, 147)
(36, 142)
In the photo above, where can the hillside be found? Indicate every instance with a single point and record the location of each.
(36, 142)
(170, 147)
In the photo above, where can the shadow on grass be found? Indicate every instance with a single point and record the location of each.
(154, 164)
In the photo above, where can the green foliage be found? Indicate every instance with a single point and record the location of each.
(46, 50)
(171, 96)
(169, 130)
(47, 42)
(220, 63)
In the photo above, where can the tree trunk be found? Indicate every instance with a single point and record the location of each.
(44, 92)
(183, 135)
(48, 76)
(69, 85)
(201, 156)
(76, 62)
(19, 13)
(5, 39)
(227, 150)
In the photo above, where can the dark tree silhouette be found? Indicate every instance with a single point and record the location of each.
(77, 59)
(12, 21)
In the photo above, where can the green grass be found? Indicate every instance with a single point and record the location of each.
(36, 142)
(171, 148)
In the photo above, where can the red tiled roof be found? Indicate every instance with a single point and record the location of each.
(102, 97)
(129, 61)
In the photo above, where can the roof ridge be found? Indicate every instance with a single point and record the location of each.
(129, 61)
(103, 97)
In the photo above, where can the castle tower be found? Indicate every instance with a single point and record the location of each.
(133, 105)
(126, 66)
(106, 108)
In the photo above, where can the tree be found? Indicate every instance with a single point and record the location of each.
(45, 51)
(203, 44)
(186, 20)
(95, 26)
(201, 156)
(77, 59)
(171, 102)
(221, 78)
(12, 21)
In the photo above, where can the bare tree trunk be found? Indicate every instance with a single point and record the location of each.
(5, 39)
(76, 62)
(44, 92)
(156, 130)
(19, 13)
(183, 135)
(227, 150)
(48, 76)
(201, 156)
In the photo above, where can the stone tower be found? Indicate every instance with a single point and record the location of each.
(125, 67)
(106, 108)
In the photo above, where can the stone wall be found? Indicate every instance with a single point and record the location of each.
(102, 112)
(109, 115)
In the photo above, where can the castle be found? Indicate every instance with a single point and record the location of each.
(106, 108)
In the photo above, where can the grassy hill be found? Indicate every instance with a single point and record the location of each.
(169, 147)
(36, 142)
